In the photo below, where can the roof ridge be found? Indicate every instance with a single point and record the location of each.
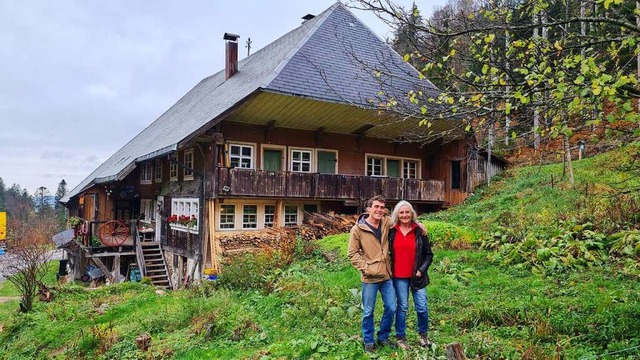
(323, 16)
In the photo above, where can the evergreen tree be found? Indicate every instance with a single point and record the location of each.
(61, 211)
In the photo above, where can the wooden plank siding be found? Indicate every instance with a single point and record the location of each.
(258, 183)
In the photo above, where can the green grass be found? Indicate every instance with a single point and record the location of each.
(314, 312)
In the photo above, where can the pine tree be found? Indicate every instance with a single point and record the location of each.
(61, 211)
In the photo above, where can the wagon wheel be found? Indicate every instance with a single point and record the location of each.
(113, 233)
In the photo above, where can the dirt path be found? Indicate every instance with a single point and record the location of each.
(4, 299)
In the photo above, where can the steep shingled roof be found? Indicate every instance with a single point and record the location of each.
(331, 58)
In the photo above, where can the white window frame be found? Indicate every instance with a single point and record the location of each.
(252, 158)
(146, 208)
(265, 214)
(326, 150)
(187, 207)
(406, 162)
(283, 165)
(311, 152)
(146, 173)
(157, 171)
(188, 162)
(382, 165)
(297, 215)
(384, 159)
(173, 167)
(246, 224)
(222, 224)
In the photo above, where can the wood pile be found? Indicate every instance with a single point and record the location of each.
(253, 240)
(318, 225)
(315, 227)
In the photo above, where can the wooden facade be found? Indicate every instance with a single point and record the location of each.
(261, 183)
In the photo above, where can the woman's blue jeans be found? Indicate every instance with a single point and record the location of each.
(369, 294)
(420, 302)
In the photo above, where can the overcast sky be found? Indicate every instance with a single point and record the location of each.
(79, 79)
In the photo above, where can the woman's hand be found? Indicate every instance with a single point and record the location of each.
(418, 273)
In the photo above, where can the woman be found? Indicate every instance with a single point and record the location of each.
(411, 257)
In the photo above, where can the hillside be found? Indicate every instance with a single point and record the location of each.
(493, 289)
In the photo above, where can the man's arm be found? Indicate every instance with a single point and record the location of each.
(354, 250)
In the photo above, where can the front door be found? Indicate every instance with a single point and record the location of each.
(272, 160)
(327, 162)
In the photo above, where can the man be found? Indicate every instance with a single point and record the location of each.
(369, 253)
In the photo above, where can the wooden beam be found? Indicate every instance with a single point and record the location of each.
(115, 269)
(318, 136)
(105, 254)
(104, 269)
(269, 130)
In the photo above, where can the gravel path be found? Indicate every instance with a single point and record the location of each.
(6, 258)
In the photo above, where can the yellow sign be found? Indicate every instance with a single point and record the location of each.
(3, 225)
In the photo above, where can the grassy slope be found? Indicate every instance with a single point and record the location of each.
(312, 308)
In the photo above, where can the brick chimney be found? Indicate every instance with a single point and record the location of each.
(231, 55)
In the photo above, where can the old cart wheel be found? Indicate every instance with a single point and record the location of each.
(113, 233)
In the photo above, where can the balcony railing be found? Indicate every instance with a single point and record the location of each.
(259, 183)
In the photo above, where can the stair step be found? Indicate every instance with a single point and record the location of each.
(158, 276)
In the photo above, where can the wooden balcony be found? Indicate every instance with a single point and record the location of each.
(257, 183)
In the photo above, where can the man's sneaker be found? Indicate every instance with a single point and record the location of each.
(369, 348)
(402, 344)
(424, 341)
(388, 343)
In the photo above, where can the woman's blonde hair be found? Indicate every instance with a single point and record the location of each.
(396, 210)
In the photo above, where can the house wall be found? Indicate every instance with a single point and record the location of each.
(351, 151)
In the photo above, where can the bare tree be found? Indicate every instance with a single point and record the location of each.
(28, 252)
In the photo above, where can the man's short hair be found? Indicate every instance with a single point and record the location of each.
(378, 198)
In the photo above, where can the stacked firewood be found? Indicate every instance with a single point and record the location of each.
(247, 241)
(315, 227)
(318, 225)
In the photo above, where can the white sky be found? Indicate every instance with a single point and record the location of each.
(80, 78)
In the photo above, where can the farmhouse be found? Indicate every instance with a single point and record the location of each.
(294, 128)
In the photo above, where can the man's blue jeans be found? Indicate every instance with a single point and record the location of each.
(420, 302)
(369, 294)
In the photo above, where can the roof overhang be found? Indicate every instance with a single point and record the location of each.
(269, 108)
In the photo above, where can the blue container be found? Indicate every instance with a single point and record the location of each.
(212, 277)
(1, 251)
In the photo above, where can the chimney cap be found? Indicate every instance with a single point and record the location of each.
(308, 17)
(230, 36)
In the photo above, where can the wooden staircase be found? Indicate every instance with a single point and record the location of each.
(155, 267)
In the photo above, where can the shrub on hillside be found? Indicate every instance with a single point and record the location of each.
(444, 235)
(253, 271)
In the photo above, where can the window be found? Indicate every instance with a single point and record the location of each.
(250, 217)
(146, 171)
(188, 163)
(269, 215)
(374, 166)
(381, 165)
(410, 170)
(227, 216)
(241, 156)
(290, 215)
(184, 214)
(481, 164)
(301, 160)
(146, 209)
(158, 171)
(455, 174)
(173, 168)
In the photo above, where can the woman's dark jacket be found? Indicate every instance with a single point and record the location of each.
(424, 257)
